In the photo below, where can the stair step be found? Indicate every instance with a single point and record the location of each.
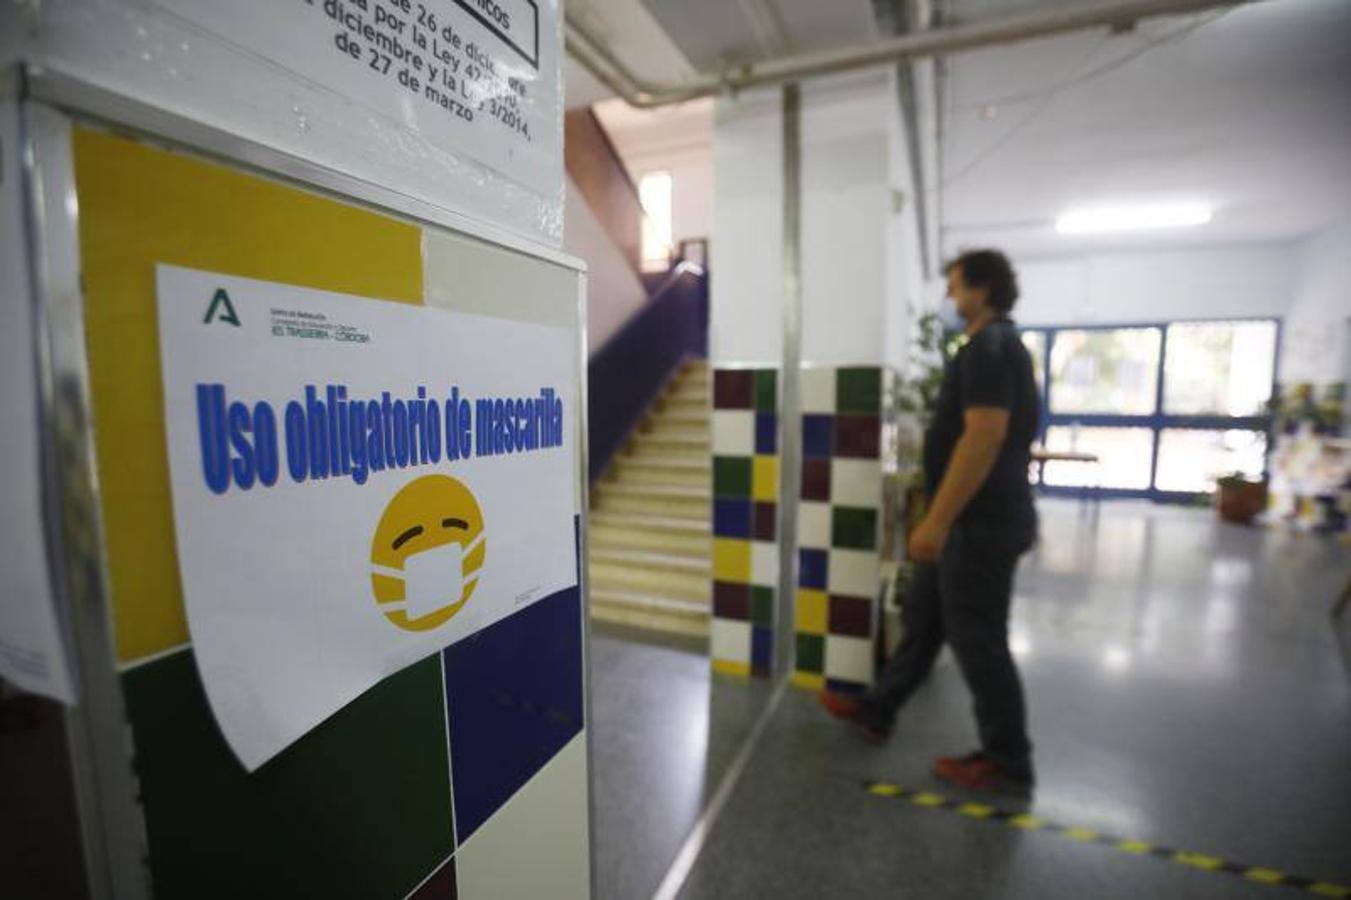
(656, 490)
(661, 470)
(630, 531)
(690, 587)
(665, 423)
(608, 540)
(651, 561)
(684, 404)
(610, 498)
(672, 444)
(653, 613)
(681, 417)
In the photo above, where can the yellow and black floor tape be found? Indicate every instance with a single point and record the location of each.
(1028, 822)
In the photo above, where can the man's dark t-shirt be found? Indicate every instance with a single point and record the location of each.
(993, 369)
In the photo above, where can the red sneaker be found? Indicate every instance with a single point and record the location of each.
(977, 772)
(849, 709)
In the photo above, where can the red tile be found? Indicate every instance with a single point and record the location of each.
(733, 389)
(816, 479)
(732, 601)
(858, 436)
(766, 526)
(851, 616)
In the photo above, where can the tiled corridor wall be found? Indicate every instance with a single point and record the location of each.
(839, 526)
(745, 530)
(840, 522)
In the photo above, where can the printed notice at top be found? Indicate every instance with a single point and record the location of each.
(479, 78)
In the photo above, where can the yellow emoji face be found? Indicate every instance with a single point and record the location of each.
(427, 552)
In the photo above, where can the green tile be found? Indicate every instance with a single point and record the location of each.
(858, 390)
(853, 528)
(766, 390)
(762, 605)
(359, 807)
(731, 476)
(811, 653)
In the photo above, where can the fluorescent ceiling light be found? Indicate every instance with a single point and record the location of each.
(1132, 218)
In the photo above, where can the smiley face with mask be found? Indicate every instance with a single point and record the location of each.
(427, 552)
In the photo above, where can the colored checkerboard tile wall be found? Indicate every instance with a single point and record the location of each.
(745, 529)
(462, 775)
(839, 526)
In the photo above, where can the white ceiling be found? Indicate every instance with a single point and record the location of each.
(1248, 110)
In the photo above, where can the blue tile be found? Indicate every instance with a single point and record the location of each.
(732, 518)
(817, 432)
(836, 686)
(762, 649)
(766, 434)
(812, 568)
(514, 699)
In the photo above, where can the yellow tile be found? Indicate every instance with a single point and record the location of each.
(729, 667)
(765, 478)
(811, 611)
(139, 206)
(809, 681)
(732, 560)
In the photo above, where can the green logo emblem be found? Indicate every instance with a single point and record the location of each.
(221, 309)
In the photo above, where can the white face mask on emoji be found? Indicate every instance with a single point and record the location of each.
(435, 579)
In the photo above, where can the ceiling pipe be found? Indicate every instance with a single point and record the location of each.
(592, 54)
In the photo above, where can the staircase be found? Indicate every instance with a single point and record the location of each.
(650, 546)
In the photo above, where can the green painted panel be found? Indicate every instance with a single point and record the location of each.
(731, 476)
(858, 390)
(359, 807)
(853, 528)
(811, 653)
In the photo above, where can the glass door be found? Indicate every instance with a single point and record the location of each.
(1165, 409)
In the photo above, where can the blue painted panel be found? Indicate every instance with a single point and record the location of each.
(731, 518)
(766, 433)
(813, 568)
(514, 699)
(762, 649)
(817, 432)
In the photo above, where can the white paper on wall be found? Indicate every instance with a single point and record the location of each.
(356, 485)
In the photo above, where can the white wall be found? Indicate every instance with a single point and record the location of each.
(845, 199)
(1305, 284)
(1226, 282)
(614, 292)
(1317, 327)
(860, 259)
(746, 249)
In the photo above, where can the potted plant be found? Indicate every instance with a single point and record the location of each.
(1239, 499)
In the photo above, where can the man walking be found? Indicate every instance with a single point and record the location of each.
(980, 519)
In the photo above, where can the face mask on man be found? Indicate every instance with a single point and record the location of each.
(948, 315)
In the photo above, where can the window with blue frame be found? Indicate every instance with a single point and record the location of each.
(1167, 408)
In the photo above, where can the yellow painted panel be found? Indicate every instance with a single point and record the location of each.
(812, 611)
(732, 560)
(139, 206)
(809, 681)
(765, 479)
(730, 667)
